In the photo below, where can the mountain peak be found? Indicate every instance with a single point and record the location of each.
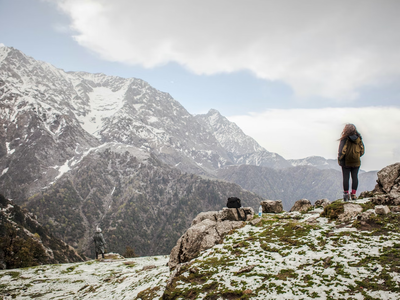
(230, 136)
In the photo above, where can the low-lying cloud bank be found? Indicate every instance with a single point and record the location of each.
(299, 133)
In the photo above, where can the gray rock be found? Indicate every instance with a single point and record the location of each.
(351, 210)
(301, 205)
(272, 206)
(385, 200)
(245, 269)
(209, 215)
(382, 210)
(366, 215)
(205, 234)
(388, 178)
(312, 220)
(322, 202)
(255, 221)
(230, 214)
(395, 209)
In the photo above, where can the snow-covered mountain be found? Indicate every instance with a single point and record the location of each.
(242, 148)
(81, 149)
(51, 118)
(317, 162)
(76, 149)
(109, 109)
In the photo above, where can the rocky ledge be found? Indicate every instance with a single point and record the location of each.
(345, 250)
(207, 230)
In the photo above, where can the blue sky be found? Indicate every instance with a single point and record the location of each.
(289, 73)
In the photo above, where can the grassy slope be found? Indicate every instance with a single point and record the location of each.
(282, 257)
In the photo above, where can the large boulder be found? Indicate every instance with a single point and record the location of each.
(322, 202)
(207, 215)
(272, 206)
(387, 189)
(301, 205)
(229, 214)
(388, 178)
(207, 230)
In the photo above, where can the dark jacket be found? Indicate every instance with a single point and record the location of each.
(350, 151)
(99, 242)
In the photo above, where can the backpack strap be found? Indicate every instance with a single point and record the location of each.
(240, 216)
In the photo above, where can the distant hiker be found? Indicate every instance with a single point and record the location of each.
(99, 242)
(351, 148)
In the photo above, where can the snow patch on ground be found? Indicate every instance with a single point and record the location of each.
(107, 279)
(4, 171)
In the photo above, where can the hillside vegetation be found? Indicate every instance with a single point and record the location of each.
(317, 254)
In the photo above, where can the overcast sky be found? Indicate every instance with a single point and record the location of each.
(289, 73)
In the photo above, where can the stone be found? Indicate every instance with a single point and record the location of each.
(388, 177)
(395, 209)
(200, 237)
(245, 269)
(271, 206)
(322, 202)
(387, 189)
(366, 215)
(351, 210)
(207, 230)
(381, 200)
(210, 215)
(312, 220)
(382, 210)
(301, 205)
(230, 214)
(255, 221)
(150, 267)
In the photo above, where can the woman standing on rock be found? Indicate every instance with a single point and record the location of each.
(351, 148)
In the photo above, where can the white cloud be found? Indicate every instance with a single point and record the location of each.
(299, 133)
(323, 48)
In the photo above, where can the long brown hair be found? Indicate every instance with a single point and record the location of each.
(348, 130)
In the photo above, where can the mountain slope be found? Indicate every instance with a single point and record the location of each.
(137, 200)
(24, 242)
(241, 148)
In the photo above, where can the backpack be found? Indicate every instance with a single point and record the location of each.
(353, 153)
(234, 202)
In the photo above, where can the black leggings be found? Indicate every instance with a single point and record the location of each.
(346, 171)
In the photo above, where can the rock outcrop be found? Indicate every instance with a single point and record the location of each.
(272, 206)
(208, 229)
(387, 189)
(301, 205)
(351, 210)
(322, 202)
